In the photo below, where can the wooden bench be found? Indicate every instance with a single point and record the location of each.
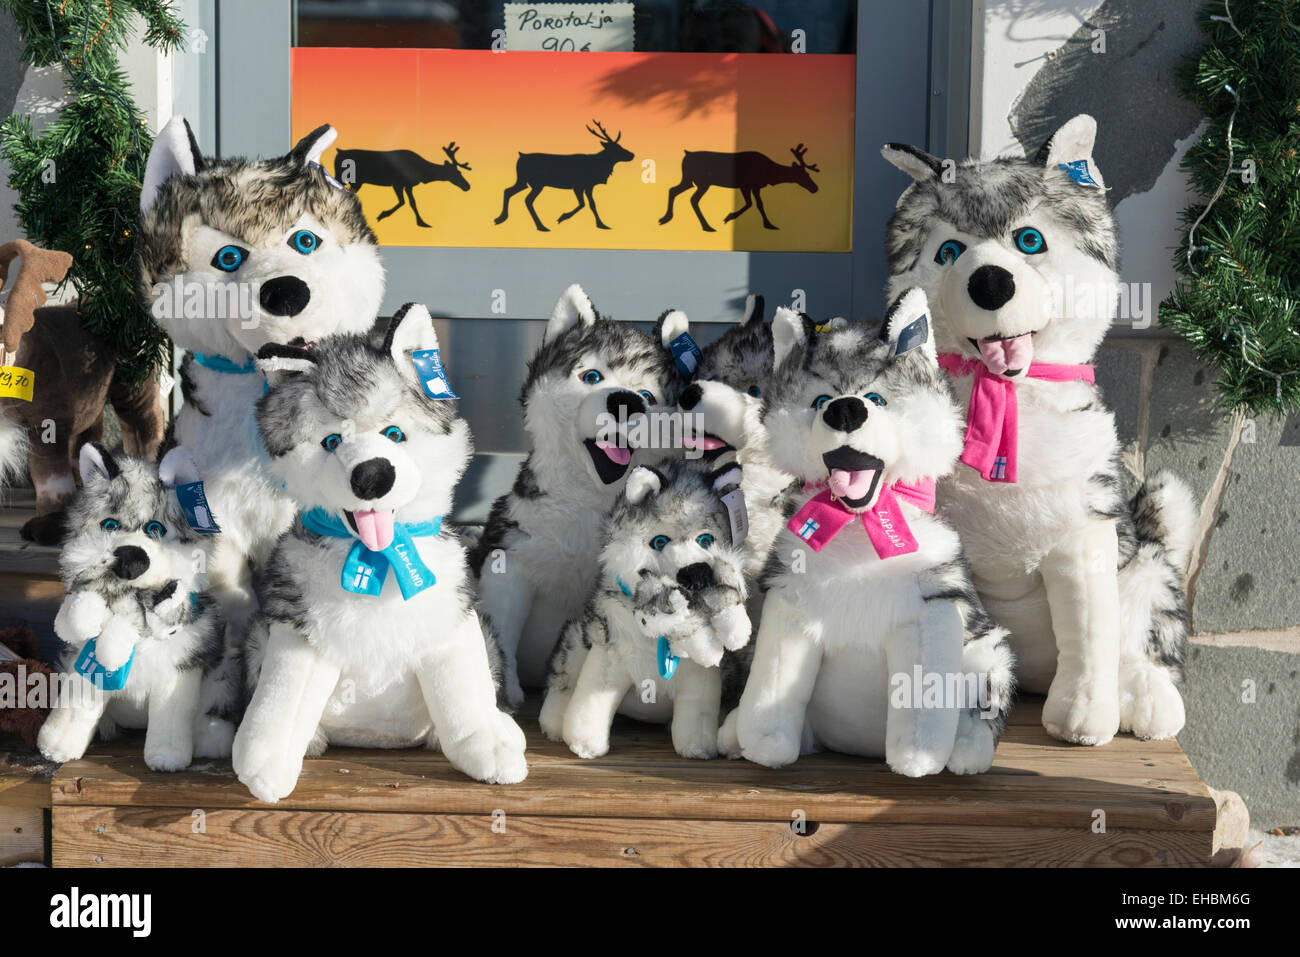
(1044, 803)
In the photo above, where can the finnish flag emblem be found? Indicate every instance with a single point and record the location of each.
(1000, 467)
(808, 529)
(361, 580)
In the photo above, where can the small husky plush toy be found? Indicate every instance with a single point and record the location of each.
(872, 640)
(1018, 258)
(668, 604)
(537, 559)
(367, 634)
(136, 623)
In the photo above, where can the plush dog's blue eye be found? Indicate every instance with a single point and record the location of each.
(331, 442)
(949, 251)
(110, 525)
(394, 434)
(877, 398)
(755, 391)
(659, 541)
(155, 529)
(591, 377)
(820, 401)
(648, 396)
(304, 241)
(229, 258)
(705, 541)
(1030, 241)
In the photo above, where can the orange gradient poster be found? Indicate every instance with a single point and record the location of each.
(585, 150)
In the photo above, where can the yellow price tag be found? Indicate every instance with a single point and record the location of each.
(17, 383)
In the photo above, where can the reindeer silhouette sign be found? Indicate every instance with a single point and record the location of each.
(748, 172)
(402, 170)
(580, 172)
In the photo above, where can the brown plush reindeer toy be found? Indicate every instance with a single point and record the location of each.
(57, 379)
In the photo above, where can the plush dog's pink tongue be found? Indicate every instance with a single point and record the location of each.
(617, 455)
(374, 528)
(706, 443)
(852, 485)
(1001, 355)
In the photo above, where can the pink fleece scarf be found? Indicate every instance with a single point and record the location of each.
(824, 515)
(992, 421)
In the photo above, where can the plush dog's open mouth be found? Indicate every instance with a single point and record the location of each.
(373, 526)
(611, 461)
(1006, 355)
(709, 445)
(854, 475)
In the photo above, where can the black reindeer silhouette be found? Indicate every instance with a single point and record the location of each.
(580, 172)
(403, 170)
(748, 172)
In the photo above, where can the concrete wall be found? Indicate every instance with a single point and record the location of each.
(1039, 69)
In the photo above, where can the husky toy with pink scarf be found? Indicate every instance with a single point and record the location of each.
(1018, 258)
(872, 639)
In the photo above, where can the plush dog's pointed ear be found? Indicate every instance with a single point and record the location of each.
(177, 467)
(175, 152)
(279, 362)
(642, 482)
(790, 332)
(96, 464)
(907, 326)
(410, 331)
(913, 161)
(671, 324)
(753, 310)
(573, 307)
(1071, 146)
(310, 147)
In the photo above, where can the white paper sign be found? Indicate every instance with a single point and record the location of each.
(569, 27)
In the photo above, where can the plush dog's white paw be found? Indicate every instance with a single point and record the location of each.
(586, 739)
(698, 740)
(115, 643)
(728, 741)
(551, 718)
(701, 646)
(1081, 712)
(1149, 703)
(733, 627)
(80, 617)
(772, 749)
(268, 775)
(972, 751)
(166, 757)
(61, 740)
(493, 753)
(213, 737)
(914, 763)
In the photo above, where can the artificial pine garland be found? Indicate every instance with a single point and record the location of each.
(78, 183)
(1239, 260)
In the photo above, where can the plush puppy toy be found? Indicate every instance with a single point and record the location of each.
(872, 640)
(1018, 258)
(140, 633)
(669, 603)
(367, 634)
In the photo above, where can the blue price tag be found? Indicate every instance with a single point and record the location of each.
(686, 354)
(913, 336)
(667, 662)
(88, 666)
(1080, 173)
(428, 366)
(194, 503)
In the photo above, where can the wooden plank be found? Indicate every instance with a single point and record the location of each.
(25, 780)
(22, 836)
(169, 837)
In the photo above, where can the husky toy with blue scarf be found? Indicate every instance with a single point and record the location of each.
(143, 641)
(537, 559)
(1019, 258)
(235, 254)
(367, 634)
(872, 640)
(669, 603)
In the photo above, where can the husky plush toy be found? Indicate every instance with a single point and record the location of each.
(872, 640)
(1018, 257)
(367, 634)
(137, 621)
(668, 603)
(235, 254)
(537, 559)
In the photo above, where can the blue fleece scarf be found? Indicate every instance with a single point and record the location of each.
(364, 571)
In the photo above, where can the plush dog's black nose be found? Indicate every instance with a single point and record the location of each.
(991, 287)
(629, 402)
(131, 561)
(845, 415)
(695, 577)
(285, 296)
(373, 478)
(692, 396)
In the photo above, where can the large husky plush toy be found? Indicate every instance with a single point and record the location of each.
(537, 559)
(872, 639)
(367, 634)
(669, 602)
(1018, 257)
(235, 254)
(136, 623)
